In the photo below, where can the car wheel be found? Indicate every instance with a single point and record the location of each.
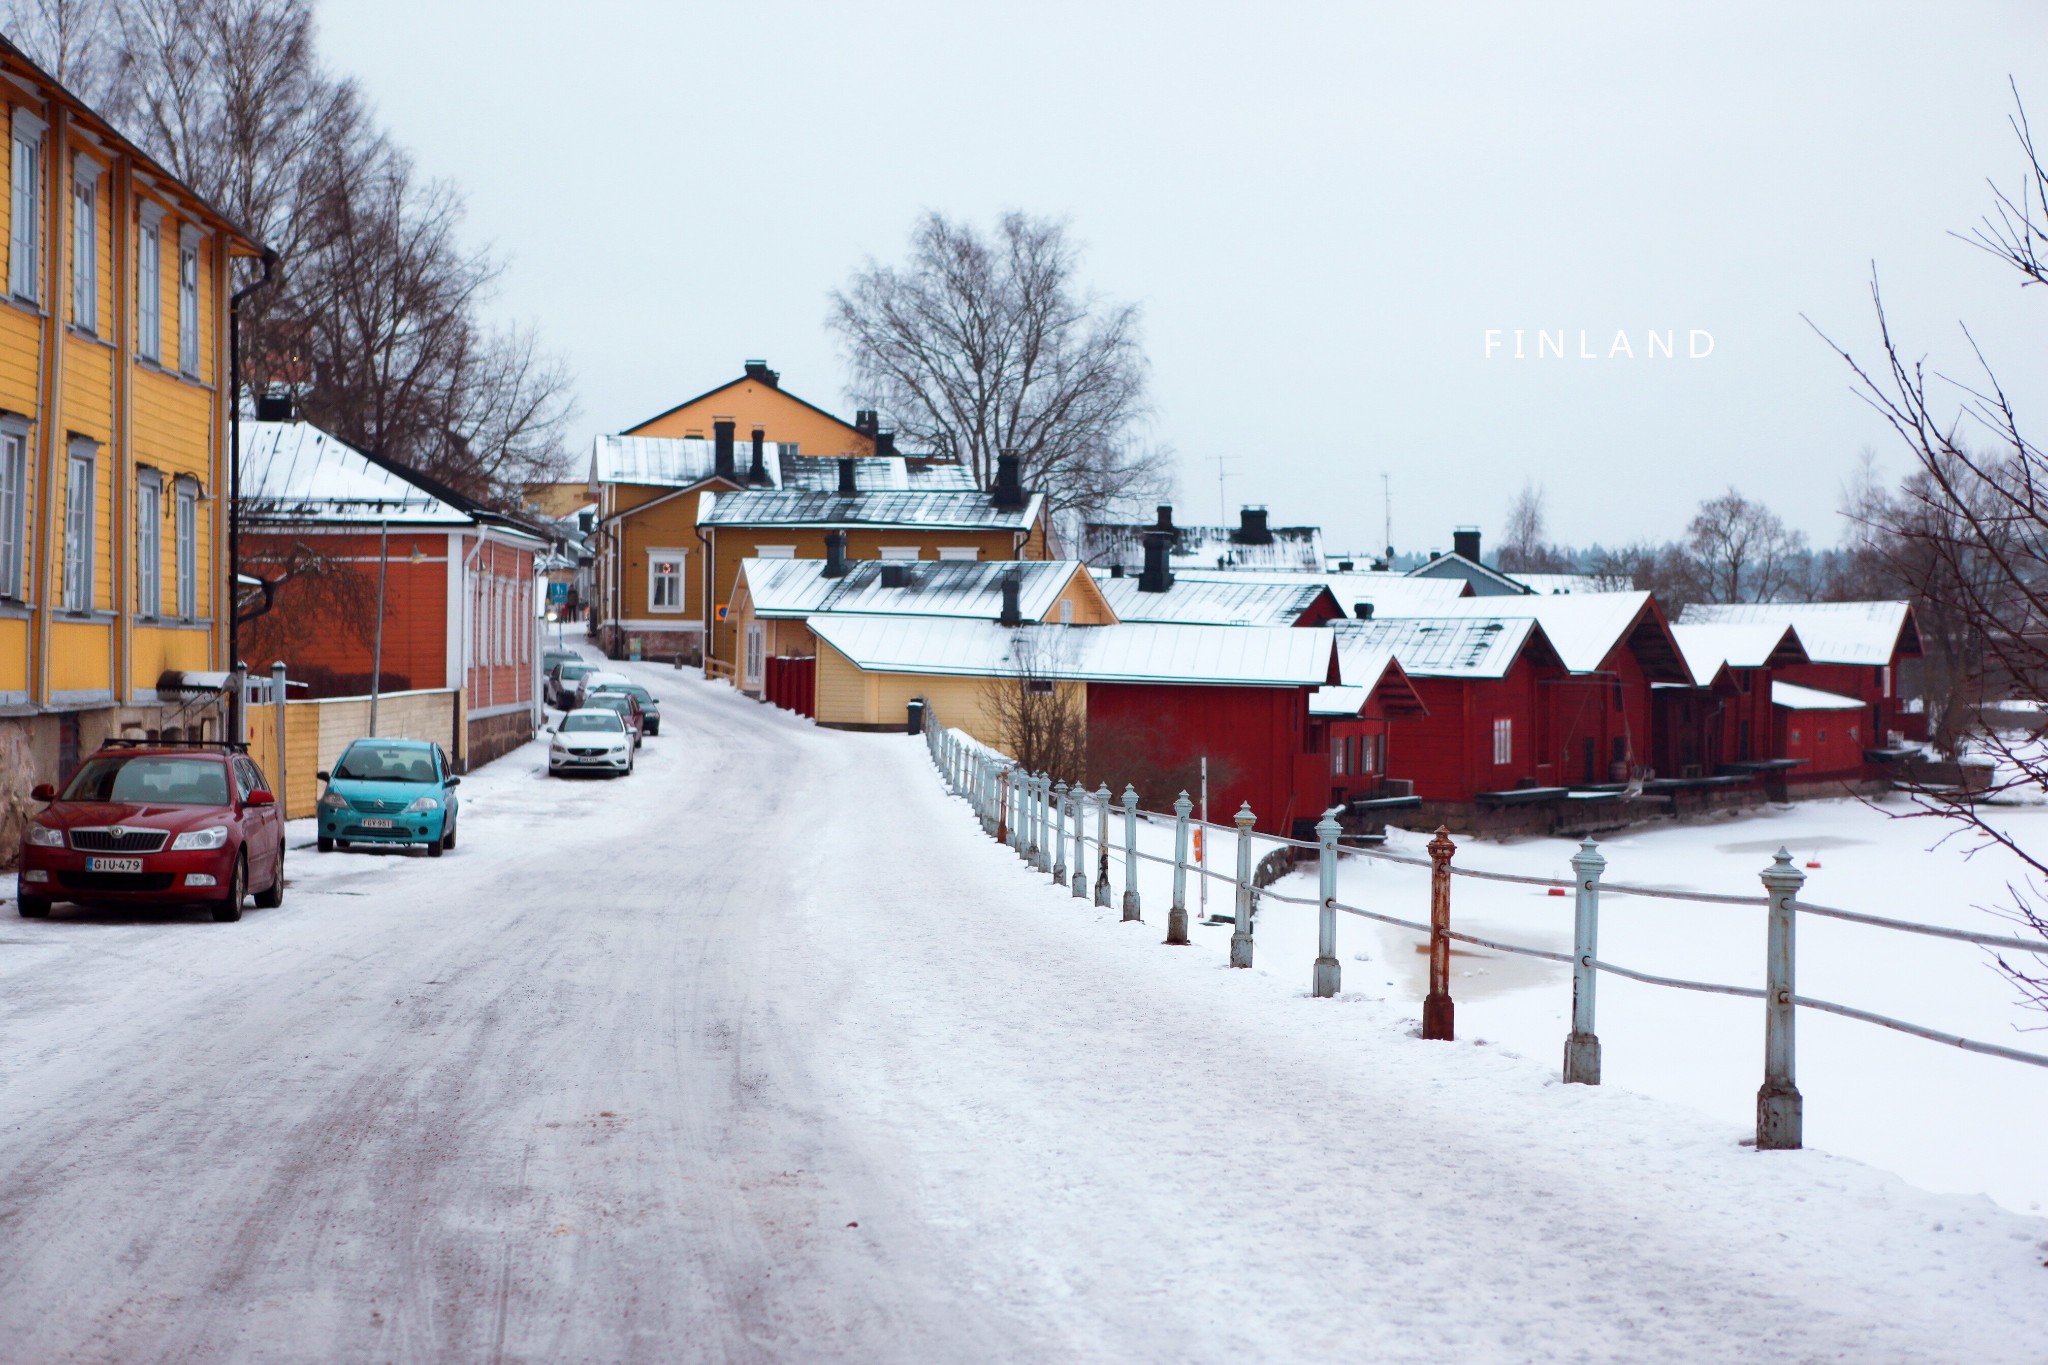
(434, 849)
(230, 909)
(326, 844)
(33, 907)
(448, 838)
(272, 896)
(653, 727)
(341, 843)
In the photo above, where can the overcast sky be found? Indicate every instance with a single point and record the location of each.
(1322, 210)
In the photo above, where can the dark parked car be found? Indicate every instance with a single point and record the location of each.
(650, 705)
(156, 824)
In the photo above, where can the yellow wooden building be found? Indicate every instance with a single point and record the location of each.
(113, 435)
(757, 399)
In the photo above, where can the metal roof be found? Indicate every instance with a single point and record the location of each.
(1221, 599)
(1737, 644)
(1368, 669)
(295, 472)
(1583, 628)
(1205, 547)
(673, 461)
(1147, 652)
(814, 507)
(1831, 632)
(1457, 566)
(798, 587)
(1387, 592)
(1557, 583)
(877, 473)
(1433, 647)
(1796, 698)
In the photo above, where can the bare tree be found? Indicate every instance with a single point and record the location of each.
(1523, 548)
(1741, 551)
(1967, 531)
(980, 345)
(1040, 717)
(65, 36)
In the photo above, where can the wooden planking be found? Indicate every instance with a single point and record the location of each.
(79, 656)
(156, 649)
(13, 654)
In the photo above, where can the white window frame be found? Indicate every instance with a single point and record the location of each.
(149, 284)
(1503, 741)
(968, 553)
(775, 552)
(756, 649)
(188, 302)
(25, 239)
(900, 552)
(13, 505)
(149, 544)
(679, 561)
(85, 244)
(1337, 754)
(185, 499)
(81, 487)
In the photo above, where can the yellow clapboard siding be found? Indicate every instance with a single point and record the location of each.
(13, 654)
(157, 648)
(79, 656)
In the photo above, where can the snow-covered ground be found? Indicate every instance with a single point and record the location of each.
(768, 1053)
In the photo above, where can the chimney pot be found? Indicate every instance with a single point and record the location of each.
(758, 369)
(1013, 612)
(757, 472)
(1251, 527)
(1362, 610)
(867, 422)
(1465, 542)
(1156, 576)
(721, 446)
(1165, 520)
(835, 555)
(1009, 490)
(847, 484)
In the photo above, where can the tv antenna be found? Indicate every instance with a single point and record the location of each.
(1222, 502)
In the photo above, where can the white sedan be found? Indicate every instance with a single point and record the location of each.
(592, 741)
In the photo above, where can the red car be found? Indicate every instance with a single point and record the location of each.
(156, 824)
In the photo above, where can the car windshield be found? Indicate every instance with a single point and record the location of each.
(633, 690)
(584, 720)
(169, 780)
(568, 671)
(613, 701)
(385, 763)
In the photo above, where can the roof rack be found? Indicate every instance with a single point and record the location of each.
(224, 745)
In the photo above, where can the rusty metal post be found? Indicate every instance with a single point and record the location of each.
(1328, 976)
(1177, 917)
(1131, 853)
(1059, 837)
(1080, 800)
(1779, 1109)
(1102, 799)
(1241, 936)
(1582, 1046)
(1437, 1011)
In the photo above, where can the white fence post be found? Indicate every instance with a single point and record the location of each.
(1131, 852)
(1177, 917)
(1102, 846)
(1779, 1109)
(1241, 937)
(1328, 975)
(1041, 807)
(1582, 1046)
(1059, 837)
(1080, 800)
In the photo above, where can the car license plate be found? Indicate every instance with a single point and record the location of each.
(113, 864)
(376, 824)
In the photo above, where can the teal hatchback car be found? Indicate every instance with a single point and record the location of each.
(390, 791)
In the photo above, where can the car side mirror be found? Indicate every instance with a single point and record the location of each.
(259, 797)
(322, 775)
(42, 791)
(453, 782)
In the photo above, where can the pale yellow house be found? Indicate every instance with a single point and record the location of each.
(113, 436)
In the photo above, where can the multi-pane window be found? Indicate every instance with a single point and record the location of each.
(149, 544)
(756, 648)
(85, 244)
(13, 509)
(1503, 741)
(188, 302)
(149, 285)
(665, 585)
(1337, 749)
(78, 514)
(25, 238)
(187, 532)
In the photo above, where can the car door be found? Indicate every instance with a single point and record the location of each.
(449, 800)
(259, 841)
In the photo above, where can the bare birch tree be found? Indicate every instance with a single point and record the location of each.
(980, 345)
(1038, 715)
(1742, 552)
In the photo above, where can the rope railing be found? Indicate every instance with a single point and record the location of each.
(1094, 836)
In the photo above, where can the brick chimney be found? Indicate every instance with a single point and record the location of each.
(757, 472)
(1008, 493)
(1156, 577)
(1251, 527)
(867, 422)
(1465, 542)
(758, 369)
(847, 486)
(721, 447)
(835, 555)
(1013, 613)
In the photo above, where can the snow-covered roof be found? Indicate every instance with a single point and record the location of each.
(1206, 547)
(1147, 652)
(1554, 583)
(1736, 644)
(878, 473)
(1831, 632)
(672, 461)
(295, 472)
(1435, 647)
(799, 588)
(1219, 599)
(1386, 592)
(1796, 698)
(1586, 628)
(1368, 671)
(974, 511)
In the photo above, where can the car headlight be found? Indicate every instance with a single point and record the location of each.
(333, 800)
(424, 803)
(42, 836)
(193, 839)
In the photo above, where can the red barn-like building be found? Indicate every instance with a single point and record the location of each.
(1853, 649)
(1724, 716)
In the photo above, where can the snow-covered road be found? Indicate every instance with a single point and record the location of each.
(765, 1053)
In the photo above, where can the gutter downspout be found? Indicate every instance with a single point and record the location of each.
(234, 397)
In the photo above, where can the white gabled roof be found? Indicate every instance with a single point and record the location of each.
(1796, 698)
(954, 510)
(1364, 666)
(969, 588)
(295, 472)
(1387, 592)
(1431, 647)
(878, 473)
(1737, 644)
(1221, 599)
(1244, 656)
(673, 461)
(1832, 632)
(1583, 628)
